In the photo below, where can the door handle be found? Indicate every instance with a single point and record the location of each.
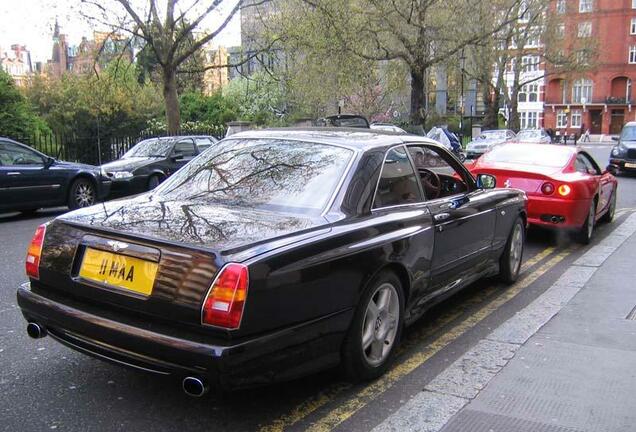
(441, 216)
(14, 173)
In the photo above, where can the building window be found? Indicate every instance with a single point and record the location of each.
(585, 29)
(583, 57)
(632, 54)
(633, 4)
(529, 93)
(582, 91)
(530, 63)
(576, 118)
(585, 6)
(560, 6)
(562, 119)
(560, 31)
(528, 119)
(632, 27)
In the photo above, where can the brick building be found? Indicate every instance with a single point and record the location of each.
(600, 100)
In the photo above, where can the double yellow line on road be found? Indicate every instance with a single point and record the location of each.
(370, 392)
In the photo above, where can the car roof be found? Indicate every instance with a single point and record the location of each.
(631, 123)
(353, 138)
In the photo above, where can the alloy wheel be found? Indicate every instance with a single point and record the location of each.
(380, 324)
(84, 195)
(516, 248)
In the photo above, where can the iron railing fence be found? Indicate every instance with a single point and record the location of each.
(90, 150)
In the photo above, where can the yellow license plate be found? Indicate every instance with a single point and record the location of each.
(630, 165)
(120, 271)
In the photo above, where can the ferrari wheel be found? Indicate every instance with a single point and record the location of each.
(376, 328)
(609, 214)
(510, 261)
(586, 231)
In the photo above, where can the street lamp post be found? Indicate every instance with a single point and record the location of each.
(462, 62)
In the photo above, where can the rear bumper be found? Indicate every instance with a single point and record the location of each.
(557, 213)
(129, 186)
(282, 355)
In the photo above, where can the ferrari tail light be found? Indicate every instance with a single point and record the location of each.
(547, 188)
(564, 190)
(223, 306)
(34, 252)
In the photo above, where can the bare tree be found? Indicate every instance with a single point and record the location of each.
(419, 33)
(174, 31)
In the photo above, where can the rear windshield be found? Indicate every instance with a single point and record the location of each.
(154, 147)
(491, 134)
(629, 133)
(277, 175)
(540, 154)
(529, 134)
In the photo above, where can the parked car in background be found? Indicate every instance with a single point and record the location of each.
(387, 127)
(623, 155)
(274, 254)
(565, 186)
(204, 142)
(151, 161)
(486, 140)
(537, 136)
(30, 180)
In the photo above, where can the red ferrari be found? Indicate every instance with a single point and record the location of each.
(565, 186)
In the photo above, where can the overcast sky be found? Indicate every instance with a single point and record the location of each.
(31, 22)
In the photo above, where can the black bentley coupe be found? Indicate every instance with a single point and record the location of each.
(274, 254)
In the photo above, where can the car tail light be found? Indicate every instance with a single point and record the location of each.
(564, 190)
(547, 188)
(223, 306)
(34, 252)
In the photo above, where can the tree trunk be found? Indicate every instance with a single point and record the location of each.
(173, 117)
(418, 97)
(491, 102)
(513, 116)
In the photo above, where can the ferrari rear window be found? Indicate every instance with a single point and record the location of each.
(527, 154)
(270, 174)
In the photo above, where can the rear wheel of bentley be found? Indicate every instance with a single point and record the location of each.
(376, 329)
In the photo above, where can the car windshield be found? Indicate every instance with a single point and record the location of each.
(539, 154)
(270, 174)
(155, 147)
(629, 133)
(489, 135)
(528, 134)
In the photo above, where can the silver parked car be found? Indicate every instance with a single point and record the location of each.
(487, 140)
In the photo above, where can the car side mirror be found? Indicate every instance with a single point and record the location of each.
(614, 138)
(48, 162)
(486, 181)
(176, 157)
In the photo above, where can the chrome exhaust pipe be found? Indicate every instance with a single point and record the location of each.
(555, 219)
(35, 331)
(195, 387)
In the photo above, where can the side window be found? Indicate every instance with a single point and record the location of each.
(15, 155)
(590, 166)
(185, 147)
(437, 176)
(398, 183)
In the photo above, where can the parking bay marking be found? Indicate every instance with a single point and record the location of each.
(316, 402)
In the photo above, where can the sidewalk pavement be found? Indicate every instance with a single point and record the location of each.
(565, 363)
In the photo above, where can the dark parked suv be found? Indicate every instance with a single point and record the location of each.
(30, 180)
(623, 156)
(153, 160)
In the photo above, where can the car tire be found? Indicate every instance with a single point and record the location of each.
(587, 230)
(153, 181)
(374, 320)
(82, 194)
(512, 256)
(611, 211)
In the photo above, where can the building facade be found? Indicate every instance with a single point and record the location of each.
(600, 99)
(17, 63)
